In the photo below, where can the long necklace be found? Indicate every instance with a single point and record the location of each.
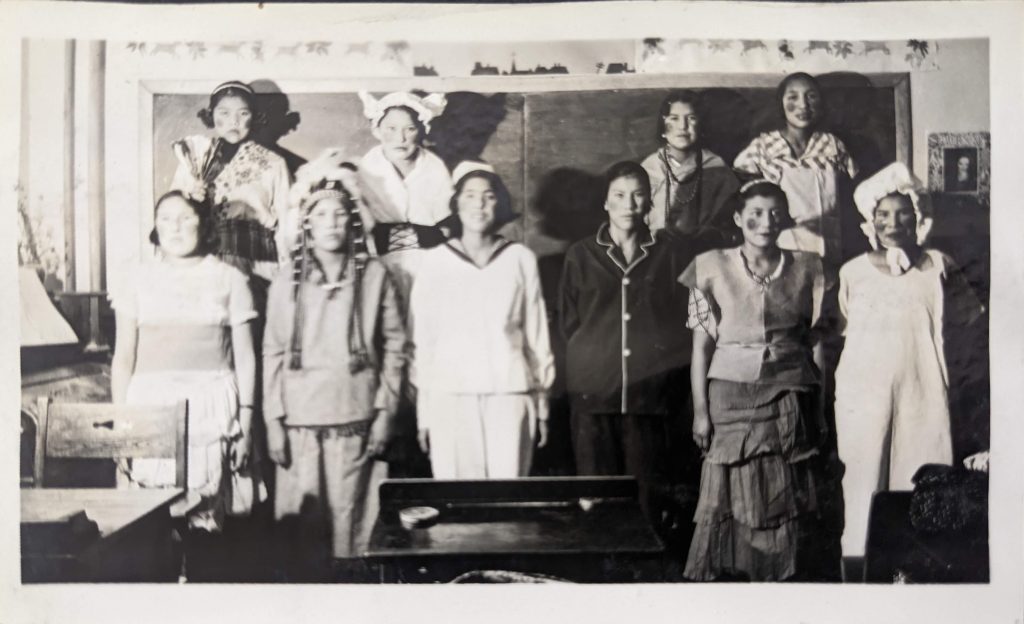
(678, 181)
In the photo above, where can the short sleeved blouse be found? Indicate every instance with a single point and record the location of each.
(206, 293)
(769, 154)
(763, 332)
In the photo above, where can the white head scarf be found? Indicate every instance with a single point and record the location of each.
(894, 178)
(467, 167)
(427, 108)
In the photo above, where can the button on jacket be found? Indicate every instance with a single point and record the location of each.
(625, 326)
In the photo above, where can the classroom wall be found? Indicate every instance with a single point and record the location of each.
(954, 98)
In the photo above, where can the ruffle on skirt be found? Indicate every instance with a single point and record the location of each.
(755, 487)
(754, 419)
(212, 403)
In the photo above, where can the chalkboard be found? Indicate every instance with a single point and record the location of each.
(549, 147)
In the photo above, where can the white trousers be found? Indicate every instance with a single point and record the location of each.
(479, 436)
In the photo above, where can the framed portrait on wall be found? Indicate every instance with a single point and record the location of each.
(959, 163)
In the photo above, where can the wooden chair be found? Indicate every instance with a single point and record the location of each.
(108, 431)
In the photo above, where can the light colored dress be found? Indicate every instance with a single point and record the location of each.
(812, 183)
(892, 412)
(185, 314)
(483, 362)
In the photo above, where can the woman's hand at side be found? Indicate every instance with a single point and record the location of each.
(542, 433)
(198, 191)
(379, 438)
(277, 442)
(702, 431)
(423, 437)
(241, 443)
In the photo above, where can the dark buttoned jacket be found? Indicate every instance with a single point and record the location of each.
(628, 348)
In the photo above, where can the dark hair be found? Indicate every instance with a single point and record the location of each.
(677, 97)
(412, 115)
(763, 188)
(626, 169)
(206, 114)
(207, 242)
(503, 212)
(780, 91)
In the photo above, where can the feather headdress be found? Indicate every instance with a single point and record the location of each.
(329, 176)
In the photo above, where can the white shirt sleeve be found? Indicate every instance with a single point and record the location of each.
(535, 328)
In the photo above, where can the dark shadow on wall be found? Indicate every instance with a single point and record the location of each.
(857, 113)
(467, 125)
(567, 207)
(962, 230)
(720, 132)
(278, 121)
(568, 204)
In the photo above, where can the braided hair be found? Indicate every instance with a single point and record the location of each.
(303, 260)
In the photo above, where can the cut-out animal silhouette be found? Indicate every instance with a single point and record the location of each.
(235, 47)
(876, 46)
(750, 45)
(818, 45)
(170, 49)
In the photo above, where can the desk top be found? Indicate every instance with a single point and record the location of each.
(111, 509)
(520, 517)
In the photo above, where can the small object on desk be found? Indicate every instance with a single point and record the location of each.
(587, 503)
(418, 517)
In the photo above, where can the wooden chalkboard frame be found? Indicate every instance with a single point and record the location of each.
(148, 90)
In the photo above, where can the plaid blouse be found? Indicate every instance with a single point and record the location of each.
(769, 154)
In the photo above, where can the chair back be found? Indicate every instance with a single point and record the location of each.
(108, 431)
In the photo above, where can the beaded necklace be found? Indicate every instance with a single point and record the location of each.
(763, 280)
(670, 177)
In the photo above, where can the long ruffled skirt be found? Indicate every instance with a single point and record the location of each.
(757, 490)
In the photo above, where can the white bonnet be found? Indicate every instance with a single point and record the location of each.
(427, 107)
(467, 167)
(894, 178)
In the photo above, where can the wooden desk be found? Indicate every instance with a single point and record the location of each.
(521, 525)
(125, 535)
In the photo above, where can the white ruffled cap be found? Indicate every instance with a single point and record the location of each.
(427, 108)
(467, 167)
(894, 178)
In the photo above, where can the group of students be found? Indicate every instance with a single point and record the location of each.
(365, 287)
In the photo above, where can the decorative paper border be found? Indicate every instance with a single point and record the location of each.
(940, 142)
